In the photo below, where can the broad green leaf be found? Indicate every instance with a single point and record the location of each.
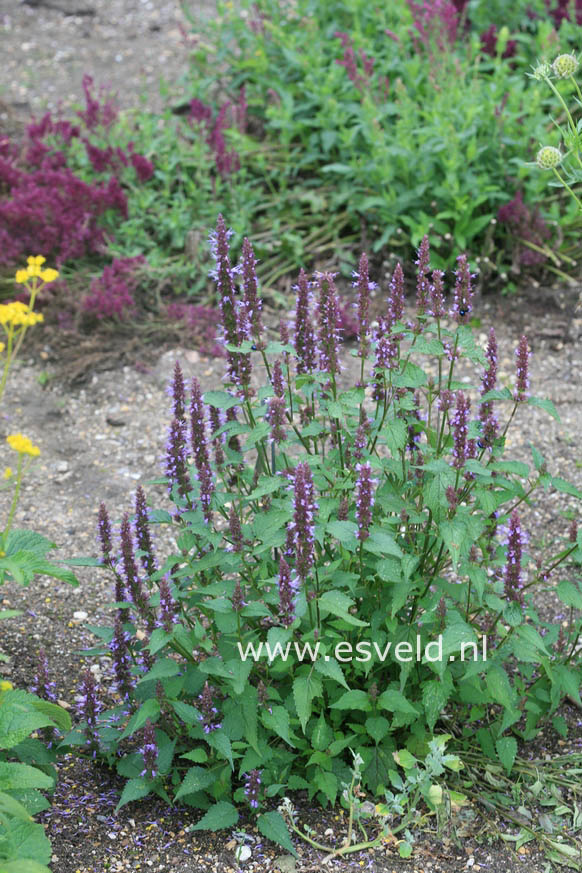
(272, 826)
(569, 594)
(394, 701)
(196, 779)
(330, 668)
(339, 604)
(221, 815)
(353, 700)
(507, 750)
(16, 776)
(134, 789)
(149, 709)
(220, 399)
(322, 735)
(377, 727)
(278, 722)
(304, 690)
(327, 783)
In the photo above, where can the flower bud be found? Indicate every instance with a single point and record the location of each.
(548, 157)
(565, 66)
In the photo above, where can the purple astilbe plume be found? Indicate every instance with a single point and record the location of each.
(142, 532)
(276, 416)
(89, 707)
(250, 290)
(304, 340)
(460, 430)
(43, 686)
(328, 318)
(119, 647)
(178, 391)
(396, 297)
(200, 448)
(168, 606)
(238, 600)
(438, 308)
(287, 593)
(365, 488)
(522, 356)
(463, 292)
(131, 574)
(422, 283)
(513, 572)
(253, 784)
(209, 714)
(303, 524)
(104, 532)
(176, 468)
(364, 287)
(217, 441)
(487, 416)
(149, 751)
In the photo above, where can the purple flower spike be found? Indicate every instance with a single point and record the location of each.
(250, 289)
(178, 389)
(463, 293)
(284, 332)
(238, 600)
(487, 417)
(242, 366)
(142, 532)
(224, 275)
(89, 709)
(386, 359)
(304, 334)
(422, 283)
(329, 319)
(200, 448)
(276, 416)
(396, 298)
(175, 468)
(460, 430)
(365, 487)
(286, 594)
(149, 751)
(303, 524)
(131, 573)
(121, 660)
(209, 715)
(512, 574)
(104, 530)
(43, 687)
(217, 441)
(437, 295)
(522, 356)
(253, 784)
(235, 531)
(168, 617)
(364, 287)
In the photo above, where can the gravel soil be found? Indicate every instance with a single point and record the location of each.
(98, 442)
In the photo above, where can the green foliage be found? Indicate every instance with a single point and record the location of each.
(26, 769)
(401, 626)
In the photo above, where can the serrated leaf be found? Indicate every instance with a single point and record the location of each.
(355, 699)
(277, 721)
(332, 670)
(196, 779)
(220, 399)
(394, 701)
(304, 690)
(339, 605)
(545, 404)
(507, 750)
(272, 826)
(221, 815)
(135, 789)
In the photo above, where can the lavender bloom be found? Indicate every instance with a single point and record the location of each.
(277, 380)
(460, 429)
(487, 417)
(303, 524)
(286, 594)
(43, 687)
(168, 616)
(209, 716)
(360, 442)
(276, 413)
(489, 378)
(250, 288)
(104, 530)
(121, 661)
(446, 400)
(224, 275)
(178, 389)
(176, 469)
(149, 751)
(412, 429)
(343, 509)
(422, 283)
(283, 332)
(463, 293)
(437, 295)
(365, 487)
(241, 374)
(89, 709)
(386, 358)
(512, 572)
(452, 496)
(522, 356)
(238, 601)
(234, 528)
(396, 297)
(329, 318)
(304, 334)
(364, 287)
(131, 573)
(200, 448)
(253, 780)
(142, 532)
(233, 441)
(217, 441)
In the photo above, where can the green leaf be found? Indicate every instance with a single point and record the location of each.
(394, 701)
(356, 699)
(196, 779)
(405, 849)
(435, 695)
(380, 542)
(377, 727)
(322, 735)
(345, 532)
(507, 750)
(278, 722)
(327, 783)
(221, 815)
(272, 826)
(23, 865)
(331, 669)
(304, 690)
(545, 404)
(150, 709)
(338, 604)
(499, 687)
(134, 789)
(569, 594)
(218, 740)
(16, 776)
(220, 399)
(29, 842)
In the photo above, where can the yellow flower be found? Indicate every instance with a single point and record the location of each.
(21, 276)
(2, 347)
(49, 275)
(35, 261)
(22, 445)
(5, 685)
(7, 473)
(19, 314)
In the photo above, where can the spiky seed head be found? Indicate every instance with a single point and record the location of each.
(548, 157)
(565, 66)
